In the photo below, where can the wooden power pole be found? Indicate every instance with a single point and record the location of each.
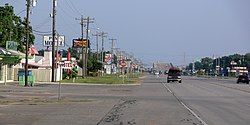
(27, 42)
(53, 39)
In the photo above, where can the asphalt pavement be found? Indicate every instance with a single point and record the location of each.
(216, 101)
(196, 101)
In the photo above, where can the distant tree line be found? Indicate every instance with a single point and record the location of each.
(208, 65)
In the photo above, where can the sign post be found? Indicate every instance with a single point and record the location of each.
(59, 85)
(122, 65)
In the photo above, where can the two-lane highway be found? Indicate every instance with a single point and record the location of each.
(217, 102)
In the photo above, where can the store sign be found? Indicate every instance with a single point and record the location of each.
(59, 41)
(79, 43)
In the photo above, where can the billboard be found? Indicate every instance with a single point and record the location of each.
(47, 40)
(79, 43)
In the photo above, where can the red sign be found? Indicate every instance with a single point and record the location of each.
(122, 63)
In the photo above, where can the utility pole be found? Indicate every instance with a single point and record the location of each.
(112, 52)
(27, 42)
(53, 39)
(88, 20)
(83, 55)
(112, 45)
(103, 34)
(97, 44)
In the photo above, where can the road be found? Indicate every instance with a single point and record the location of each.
(196, 101)
(217, 102)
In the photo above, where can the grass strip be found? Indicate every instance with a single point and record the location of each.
(107, 79)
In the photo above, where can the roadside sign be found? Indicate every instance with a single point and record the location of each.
(11, 45)
(122, 63)
(47, 41)
(79, 43)
(108, 58)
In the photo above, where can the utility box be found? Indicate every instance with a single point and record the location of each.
(21, 77)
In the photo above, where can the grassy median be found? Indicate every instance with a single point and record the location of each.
(106, 79)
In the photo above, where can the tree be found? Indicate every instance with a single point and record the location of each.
(12, 28)
(198, 65)
(207, 63)
(74, 53)
(8, 59)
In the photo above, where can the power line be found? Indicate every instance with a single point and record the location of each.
(43, 23)
(41, 34)
(65, 12)
(41, 31)
(72, 8)
(66, 22)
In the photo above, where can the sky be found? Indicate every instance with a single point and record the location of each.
(176, 31)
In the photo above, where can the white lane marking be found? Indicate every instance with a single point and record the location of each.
(167, 88)
(183, 104)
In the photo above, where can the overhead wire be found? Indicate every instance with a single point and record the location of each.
(66, 22)
(73, 10)
(65, 12)
(41, 31)
(76, 10)
(44, 22)
(41, 34)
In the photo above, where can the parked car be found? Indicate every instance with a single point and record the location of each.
(174, 74)
(243, 79)
(156, 73)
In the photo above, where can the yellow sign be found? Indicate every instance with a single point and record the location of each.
(79, 43)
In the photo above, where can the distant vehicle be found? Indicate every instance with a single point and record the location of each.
(156, 73)
(243, 79)
(165, 72)
(174, 74)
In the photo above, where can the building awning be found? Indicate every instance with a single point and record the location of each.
(17, 53)
(38, 65)
(4, 51)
